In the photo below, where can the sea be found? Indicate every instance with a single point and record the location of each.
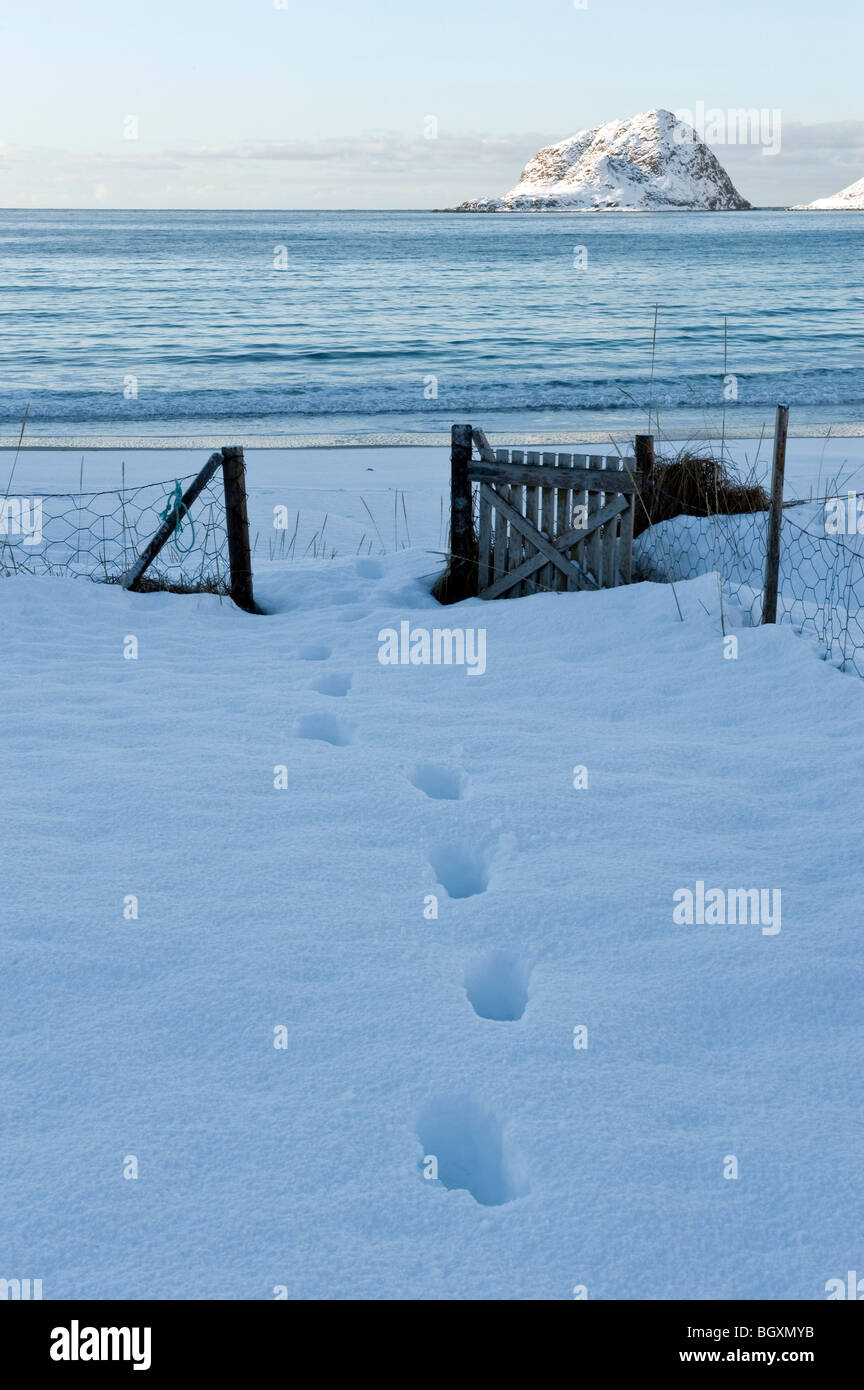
(348, 325)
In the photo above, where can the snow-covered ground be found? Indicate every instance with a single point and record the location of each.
(286, 1031)
(821, 576)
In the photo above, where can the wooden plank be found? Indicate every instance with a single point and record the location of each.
(518, 523)
(548, 576)
(484, 542)
(578, 498)
(532, 512)
(594, 545)
(499, 529)
(483, 447)
(627, 480)
(513, 494)
(625, 543)
(610, 540)
(563, 523)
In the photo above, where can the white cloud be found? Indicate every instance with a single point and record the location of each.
(382, 170)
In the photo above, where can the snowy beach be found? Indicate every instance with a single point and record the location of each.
(335, 482)
(301, 922)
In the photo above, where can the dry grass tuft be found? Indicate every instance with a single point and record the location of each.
(695, 485)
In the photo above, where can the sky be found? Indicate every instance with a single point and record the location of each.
(400, 103)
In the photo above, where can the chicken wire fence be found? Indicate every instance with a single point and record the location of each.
(821, 578)
(100, 535)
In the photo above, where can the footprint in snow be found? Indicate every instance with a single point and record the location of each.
(325, 728)
(467, 1143)
(462, 872)
(332, 683)
(438, 782)
(497, 987)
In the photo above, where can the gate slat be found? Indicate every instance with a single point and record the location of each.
(579, 498)
(499, 532)
(595, 541)
(532, 512)
(610, 535)
(515, 544)
(548, 578)
(625, 542)
(484, 542)
(563, 522)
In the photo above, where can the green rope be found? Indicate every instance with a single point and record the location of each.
(176, 504)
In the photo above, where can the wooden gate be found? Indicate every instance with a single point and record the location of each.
(545, 520)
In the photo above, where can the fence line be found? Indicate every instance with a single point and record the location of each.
(189, 534)
(820, 589)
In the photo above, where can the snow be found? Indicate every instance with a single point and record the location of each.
(848, 199)
(262, 1168)
(652, 161)
(820, 587)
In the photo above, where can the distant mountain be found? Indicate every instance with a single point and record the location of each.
(653, 161)
(847, 200)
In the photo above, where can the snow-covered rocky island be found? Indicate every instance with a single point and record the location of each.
(849, 199)
(652, 162)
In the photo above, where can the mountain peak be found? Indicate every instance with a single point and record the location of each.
(652, 161)
(849, 199)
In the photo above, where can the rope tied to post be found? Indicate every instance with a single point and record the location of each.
(176, 505)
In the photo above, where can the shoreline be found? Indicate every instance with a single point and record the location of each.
(326, 474)
(397, 439)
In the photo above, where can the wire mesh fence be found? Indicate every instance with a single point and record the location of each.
(821, 579)
(99, 535)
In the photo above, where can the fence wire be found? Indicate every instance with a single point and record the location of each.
(821, 580)
(98, 535)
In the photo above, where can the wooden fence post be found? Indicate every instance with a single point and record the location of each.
(775, 518)
(644, 450)
(463, 579)
(237, 523)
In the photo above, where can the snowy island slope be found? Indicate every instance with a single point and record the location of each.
(849, 199)
(651, 162)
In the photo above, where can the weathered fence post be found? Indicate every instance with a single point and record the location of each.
(644, 451)
(237, 523)
(775, 518)
(462, 580)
